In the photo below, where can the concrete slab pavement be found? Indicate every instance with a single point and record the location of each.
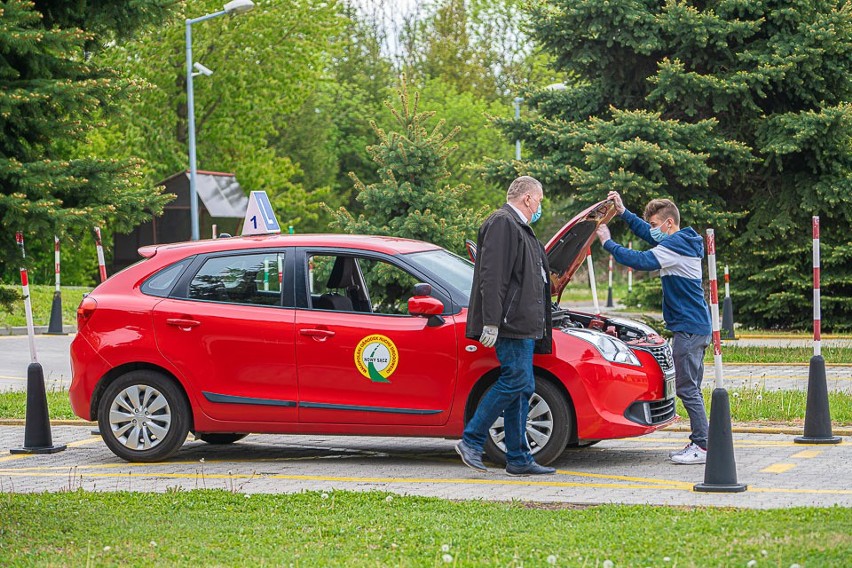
(778, 472)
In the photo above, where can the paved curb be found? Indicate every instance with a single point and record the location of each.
(738, 428)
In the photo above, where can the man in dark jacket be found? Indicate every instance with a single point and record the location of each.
(677, 253)
(510, 311)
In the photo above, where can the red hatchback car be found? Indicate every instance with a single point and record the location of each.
(342, 334)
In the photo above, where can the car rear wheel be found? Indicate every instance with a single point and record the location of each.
(548, 429)
(143, 417)
(220, 438)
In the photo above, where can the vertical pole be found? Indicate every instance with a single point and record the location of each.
(100, 249)
(280, 271)
(214, 230)
(517, 102)
(609, 303)
(25, 288)
(629, 271)
(714, 308)
(266, 275)
(817, 316)
(593, 284)
(727, 282)
(190, 118)
(56, 260)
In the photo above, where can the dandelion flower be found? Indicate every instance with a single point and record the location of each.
(152, 543)
(764, 553)
(735, 394)
(107, 548)
(666, 559)
(324, 495)
(751, 563)
(447, 558)
(608, 563)
(445, 548)
(551, 559)
(389, 498)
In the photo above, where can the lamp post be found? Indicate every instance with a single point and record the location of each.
(231, 8)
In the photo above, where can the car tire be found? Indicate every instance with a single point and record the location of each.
(220, 438)
(124, 404)
(547, 434)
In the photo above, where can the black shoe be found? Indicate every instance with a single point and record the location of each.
(531, 468)
(470, 458)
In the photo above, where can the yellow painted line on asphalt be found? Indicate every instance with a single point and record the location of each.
(778, 468)
(807, 454)
(76, 444)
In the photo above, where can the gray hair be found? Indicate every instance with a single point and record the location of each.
(522, 186)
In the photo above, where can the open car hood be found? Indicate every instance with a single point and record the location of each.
(569, 247)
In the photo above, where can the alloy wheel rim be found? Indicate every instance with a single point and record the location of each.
(539, 426)
(140, 417)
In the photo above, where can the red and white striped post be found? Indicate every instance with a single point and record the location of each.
(609, 303)
(56, 260)
(55, 325)
(629, 271)
(727, 282)
(720, 470)
(37, 436)
(817, 308)
(100, 248)
(714, 309)
(817, 410)
(28, 306)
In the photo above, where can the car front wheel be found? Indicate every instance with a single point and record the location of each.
(143, 417)
(548, 427)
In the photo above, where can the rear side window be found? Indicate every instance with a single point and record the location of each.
(161, 283)
(240, 279)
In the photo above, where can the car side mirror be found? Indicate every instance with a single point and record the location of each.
(424, 305)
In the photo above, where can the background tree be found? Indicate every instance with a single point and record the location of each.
(266, 63)
(411, 198)
(52, 95)
(738, 111)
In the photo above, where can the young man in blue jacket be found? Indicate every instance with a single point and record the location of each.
(677, 253)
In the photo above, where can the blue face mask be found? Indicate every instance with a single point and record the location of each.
(658, 235)
(537, 215)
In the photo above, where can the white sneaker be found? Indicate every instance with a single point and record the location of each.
(683, 450)
(691, 454)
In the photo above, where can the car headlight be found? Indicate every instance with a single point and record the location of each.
(611, 348)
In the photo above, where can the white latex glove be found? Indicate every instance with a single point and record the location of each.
(619, 205)
(489, 336)
(603, 233)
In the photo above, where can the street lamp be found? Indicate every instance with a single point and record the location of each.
(231, 8)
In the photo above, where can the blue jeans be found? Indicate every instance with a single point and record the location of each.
(688, 353)
(510, 395)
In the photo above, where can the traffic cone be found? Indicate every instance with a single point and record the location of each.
(728, 319)
(37, 437)
(55, 326)
(720, 470)
(817, 412)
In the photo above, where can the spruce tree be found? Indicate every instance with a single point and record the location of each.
(51, 96)
(738, 110)
(411, 198)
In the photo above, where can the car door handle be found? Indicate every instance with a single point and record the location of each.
(183, 323)
(317, 334)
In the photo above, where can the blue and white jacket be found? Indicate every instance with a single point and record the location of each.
(678, 258)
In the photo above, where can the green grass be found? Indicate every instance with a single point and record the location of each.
(42, 304)
(755, 404)
(220, 528)
(759, 354)
(747, 405)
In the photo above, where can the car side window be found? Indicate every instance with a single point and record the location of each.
(240, 279)
(358, 284)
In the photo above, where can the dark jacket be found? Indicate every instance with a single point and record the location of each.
(509, 288)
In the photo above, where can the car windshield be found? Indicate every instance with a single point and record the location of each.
(453, 270)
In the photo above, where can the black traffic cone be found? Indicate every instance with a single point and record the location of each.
(720, 471)
(817, 413)
(609, 303)
(37, 438)
(55, 326)
(728, 319)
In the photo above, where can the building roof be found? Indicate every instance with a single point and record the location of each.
(220, 193)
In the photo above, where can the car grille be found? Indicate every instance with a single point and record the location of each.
(661, 410)
(663, 355)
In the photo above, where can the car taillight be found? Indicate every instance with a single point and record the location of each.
(85, 311)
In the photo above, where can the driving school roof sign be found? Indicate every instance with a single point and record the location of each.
(260, 218)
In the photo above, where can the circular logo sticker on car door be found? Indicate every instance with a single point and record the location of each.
(376, 358)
